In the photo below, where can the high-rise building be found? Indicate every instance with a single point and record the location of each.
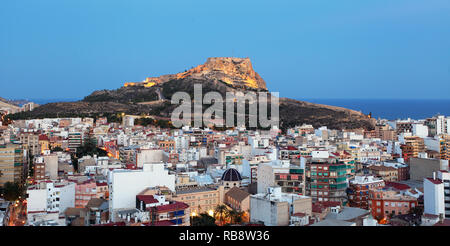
(125, 184)
(290, 178)
(30, 141)
(327, 180)
(412, 147)
(445, 147)
(11, 163)
(75, 140)
(358, 192)
(437, 194)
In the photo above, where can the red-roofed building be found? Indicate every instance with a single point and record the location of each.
(397, 186)
(163, 212)
(437, 195)
(102, 190)
(385, 203)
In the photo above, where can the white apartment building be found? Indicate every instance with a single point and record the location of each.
(274, 208)
(49, 197)
(420, 130)
(437, 194)
(125, 184)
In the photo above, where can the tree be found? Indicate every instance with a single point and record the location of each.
(235, 216)
(12, 191)
(222, 212)
(203, 220)
(90, 148)
(57, 149)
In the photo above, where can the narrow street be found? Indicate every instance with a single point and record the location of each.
(17, 216)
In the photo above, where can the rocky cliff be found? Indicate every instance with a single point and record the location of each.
(235, 72)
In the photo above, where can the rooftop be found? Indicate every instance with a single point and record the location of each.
(194, 190)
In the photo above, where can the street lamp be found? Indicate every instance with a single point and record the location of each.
(211, 213)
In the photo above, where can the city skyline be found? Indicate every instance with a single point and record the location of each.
(72, 49)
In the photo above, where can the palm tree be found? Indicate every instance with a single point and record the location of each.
(232, 214)
(222, 212)
(236, 216)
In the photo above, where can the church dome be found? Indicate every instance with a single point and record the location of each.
(231, 175)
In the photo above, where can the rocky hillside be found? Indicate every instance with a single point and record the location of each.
(8, 105)
(236, 72)
(217, 74)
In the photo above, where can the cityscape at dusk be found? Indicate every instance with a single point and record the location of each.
(236, 117)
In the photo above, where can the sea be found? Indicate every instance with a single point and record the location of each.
(391, 109)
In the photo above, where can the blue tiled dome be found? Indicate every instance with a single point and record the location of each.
(231, 175)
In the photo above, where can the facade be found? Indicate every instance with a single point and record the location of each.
(45, 167)
(84, 192)
(412, 147)
(327, 181)
(437, 194)
(11, 163)
(384, 172)
(290, 178)
(359, 188)
(30, 141)
(200, 199)
(49, 197)
(160, 210)
(385, 203)
(167, 145)
(238, 199)
(445, 147)
(275, 208)
(75, 140)
(420, 168)
(124, 185)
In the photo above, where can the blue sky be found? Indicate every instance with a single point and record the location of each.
(302, 49)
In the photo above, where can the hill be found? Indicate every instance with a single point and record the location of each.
(151, 96)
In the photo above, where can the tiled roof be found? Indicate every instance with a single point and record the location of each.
(430, 216)
(434, 181)
(74, 211)
(397, 186)
(237, 194)
(147, 199)
(95, 203)
(172, 207)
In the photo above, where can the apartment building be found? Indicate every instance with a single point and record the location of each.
(384, 172)
(11, 163)
(327, 180)
(444, 147)
(30, 141)
(412, 147)
(274, 208)
(201, 199)
(75, 140)
(437, 194)
(358, 192)
(385, 203)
